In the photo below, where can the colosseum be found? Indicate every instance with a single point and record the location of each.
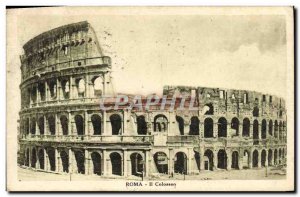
(63, 130)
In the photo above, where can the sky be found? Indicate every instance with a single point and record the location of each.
(148, 51)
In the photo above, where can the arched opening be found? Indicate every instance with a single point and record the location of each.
(180, 163)
(235, 126)
(235, 160)
(263, 129)
(263, 158)
(208, 160)
(160, 123)
(161, 162)
(51, 124)
(96, 158)
(64, 124)
(271, 127)
(208, 109)
(255, 159)
(66, 89)
(270, 157)
(80, 87)
(65, 161)
(255, 132)
(33, 94)
(79, 157)
(96, 121)
(52, 88)
(208, 128)
(41, 88)
(141, 125)
(255, 111)
(246, 159)
(276, 129)
(41, 158)
(246, 127)
(222, 127)
(279, 156)
(275, 157)
(116, 123)
(79, 122)
(27, 158)
(33, 158)
(137, 166)
(180, 123)
(33, 126)
(194, 126)
(222, 159)
(116, 163)
(280, 130)
(41, 125)
(98, 86)
(27, 126)
(51, 156)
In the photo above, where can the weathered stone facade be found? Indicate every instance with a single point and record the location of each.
(63, 130)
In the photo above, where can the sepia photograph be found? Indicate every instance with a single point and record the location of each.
(144, 99)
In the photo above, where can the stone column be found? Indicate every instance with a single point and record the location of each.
(146, 165)
(229, 160)
(57, 161)
(70, 124)
(215, 159)
(37, 128)
(125, 164)
(104, 131)
(37, 164)
(189, 161)
(71, 88)
(171, 161)
(202, 162)
(37, 95)
(59, 90)
(104, 163)
(46, 91)
(86, 126)
(30, 149)
(87, 92)
(250, 159)
(259, 159)
(46, 160)
(87, 162)
(70, 154)
(240, 159)
(241, 129)
(57, 126)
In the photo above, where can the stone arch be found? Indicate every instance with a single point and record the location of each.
(263, 129)
(65, 85)
(98, 86)
(41, 125)
(194, 126)
(208, 128)
(208, 109)
(41, 89)
(27, 129)
(279, 156)
(79, 122)
(180, 123)
(51, 124)
(235, 124)
(246, 159)
(141, 125)
(160, 123)
(116, 163)
(80, 159)
(96, 158)
(263, 158)
(33, 158)
(137, 165)
(275, 157)
(270, 127)
(197, 158)
(222, 127)
(64, 124)
(246, 127)
(52, 159)
(255, 158)
(41, 158)
(255, 111)
(180, 163)
(80, 84)
(33, 94)
(65, 161)
(27, 158)
(222, 159)
(270, 157)
(161, 162)
(52, 88)
(208, 160)
(255, 132)
(33, 126)
(96, 122)
(116, 124)
(280, 130)
(276, 129)
(235, 160)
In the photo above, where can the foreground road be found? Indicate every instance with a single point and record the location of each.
(249, 174)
